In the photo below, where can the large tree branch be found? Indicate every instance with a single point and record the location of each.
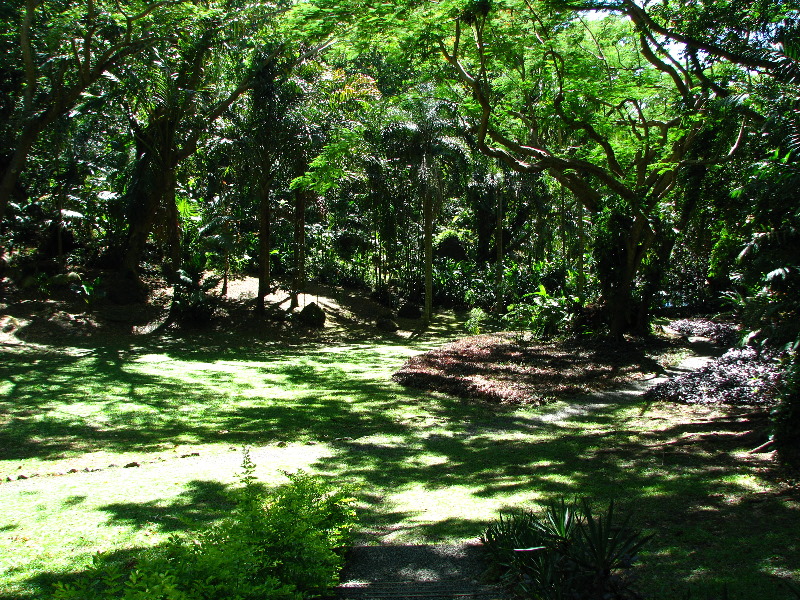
(586, 194)
(643, 19)
(524, 158)
(575, 124)
(41, 111)
(647, 51)
(751, 59)
(478, 93)
(722, 159)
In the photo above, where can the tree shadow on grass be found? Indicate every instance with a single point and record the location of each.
(687, 482)
(202, 502)
(113, 399)
(692, 484)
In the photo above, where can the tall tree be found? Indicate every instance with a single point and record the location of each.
(427, 141)
(267, 138)
(297, 111)
(174, 100)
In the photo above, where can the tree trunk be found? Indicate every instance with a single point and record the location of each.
(623, 310)
(264, 249)
(376, 261)
(499, 243)
(653, 279)
(60, 226)
(620, 307)
(16, 164)
(144, 204)
(226, 257)
(299, 275)
(153, 188)
(173, 263)
(427, 211)
(225, 271)
(581, 267)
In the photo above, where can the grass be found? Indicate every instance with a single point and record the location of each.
(430, 468)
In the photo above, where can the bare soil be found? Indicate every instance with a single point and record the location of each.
(61, 316)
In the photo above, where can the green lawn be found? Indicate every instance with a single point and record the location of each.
(429, 468)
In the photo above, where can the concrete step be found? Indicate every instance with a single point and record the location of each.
(386, 590)
(416, 571)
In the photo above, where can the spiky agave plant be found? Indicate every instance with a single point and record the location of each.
(565, 551)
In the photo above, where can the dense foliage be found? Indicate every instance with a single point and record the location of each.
(786, 415)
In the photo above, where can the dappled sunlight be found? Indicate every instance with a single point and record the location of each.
(665, 474)
(429, 507)
(144, 398)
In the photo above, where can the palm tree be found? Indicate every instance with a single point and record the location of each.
(427, 140)
(267, 139)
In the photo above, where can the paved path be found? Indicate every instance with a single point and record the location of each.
(416, 571)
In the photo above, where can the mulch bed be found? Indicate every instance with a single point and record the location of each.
(723, 333)
(741, 376)
(504, 368)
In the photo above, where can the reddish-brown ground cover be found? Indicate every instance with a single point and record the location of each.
(505, 368)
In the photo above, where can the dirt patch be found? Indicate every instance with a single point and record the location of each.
(62, 316)
(507, 369)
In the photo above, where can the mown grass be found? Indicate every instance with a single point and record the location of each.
(430, 468)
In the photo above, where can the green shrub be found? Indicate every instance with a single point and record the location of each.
(564, 552)
(283, 545)
(477, 321)
(541, 314)
(192, 302)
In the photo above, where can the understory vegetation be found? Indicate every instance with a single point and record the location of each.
(565, 551)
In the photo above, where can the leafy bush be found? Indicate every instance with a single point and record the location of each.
(520, 278)
(770, 314)
(541, 314)
(89, 291)
(192, 302)
(286, 544)
(452, 282)
(564, 552)
(477, 321)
